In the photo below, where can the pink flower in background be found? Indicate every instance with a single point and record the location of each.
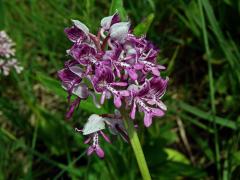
(114, 64)
(7, 53)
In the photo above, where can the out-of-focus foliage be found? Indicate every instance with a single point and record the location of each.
(36, 142)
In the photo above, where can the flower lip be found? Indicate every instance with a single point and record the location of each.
(150, 114)
(95, 147)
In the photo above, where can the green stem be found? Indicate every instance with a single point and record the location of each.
(212, 90)
(137, 148)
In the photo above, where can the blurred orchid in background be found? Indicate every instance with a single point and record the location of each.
(7, 53)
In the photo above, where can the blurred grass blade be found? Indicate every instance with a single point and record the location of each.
(207, 116)
(2, 15)
(51, 84)
(191, 18)
(211, 88)
(171, 63)
(152, 4)
(196, 122)
(142, 28)
(55, 163)
(70, 165)
(203, 144)
(224, 44)
(117, 5)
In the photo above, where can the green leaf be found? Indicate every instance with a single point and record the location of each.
(152, 4)
(236, 157)
(175, 170)
(176, 156)
(202, 143)
(143, 27)
(117, 5)
(221, 84)
(207, 116)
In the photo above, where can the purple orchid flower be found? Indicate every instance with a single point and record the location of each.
(94, 127)
(145, 95)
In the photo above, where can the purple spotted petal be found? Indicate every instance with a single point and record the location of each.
(68, 78)
(122, 84)
(72, 107)
(133, 111)
(117, 101)
(105, 137)
(83, 53)
(103, 97)
(99, 151)
(90, 150)
(87, 140)
(155, 71)
(147, 119)
(157, 112)
(150, 114)
(158, 86)
(74, 34)
(133, 75)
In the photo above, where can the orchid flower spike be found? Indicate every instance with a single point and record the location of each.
(118, 65)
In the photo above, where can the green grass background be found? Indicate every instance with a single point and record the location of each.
(197, 139)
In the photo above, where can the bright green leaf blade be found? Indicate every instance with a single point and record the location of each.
(143, 27)
(117, 5)
(176, 156)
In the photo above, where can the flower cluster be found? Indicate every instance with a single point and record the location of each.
(7, 53)
(113, 63)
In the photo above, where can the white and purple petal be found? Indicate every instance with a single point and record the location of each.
(119, 31)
